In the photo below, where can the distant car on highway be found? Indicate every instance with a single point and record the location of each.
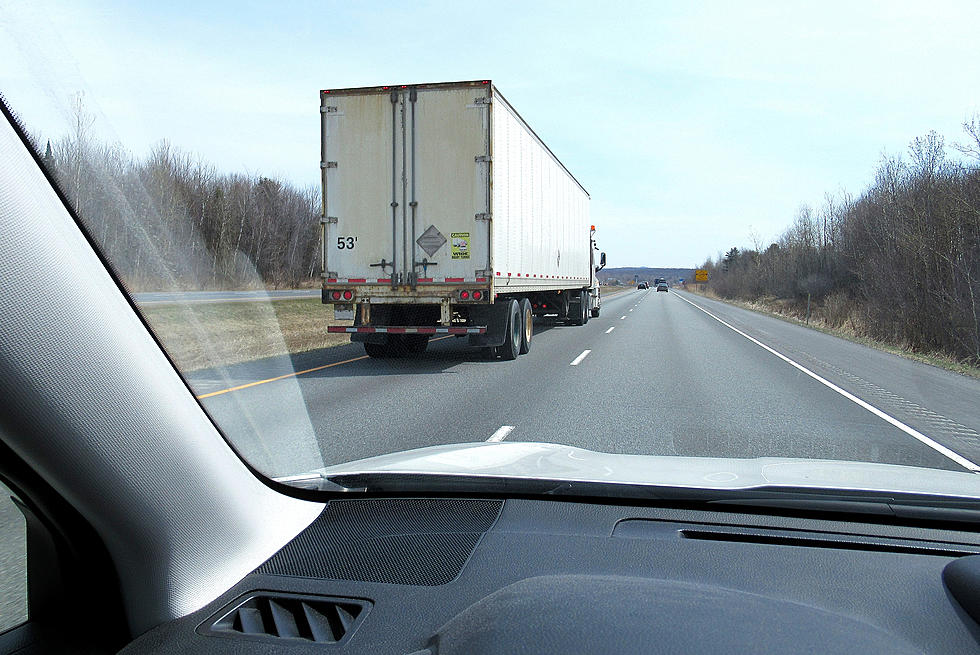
(642, 285)
(662, 286)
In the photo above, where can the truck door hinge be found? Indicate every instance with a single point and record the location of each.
(328, 219)
(328, 164)
(483, 100)
(483, 216)
(328, 110)
(482, 159)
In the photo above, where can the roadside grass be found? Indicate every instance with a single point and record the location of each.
(846, 329)
(203, 335)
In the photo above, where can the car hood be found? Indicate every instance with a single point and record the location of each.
(560, 463)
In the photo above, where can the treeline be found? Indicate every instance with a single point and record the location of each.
(900, 262)
(168, 221)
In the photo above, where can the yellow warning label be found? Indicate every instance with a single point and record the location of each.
(460, 244)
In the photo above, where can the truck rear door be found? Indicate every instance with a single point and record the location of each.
(406, 184)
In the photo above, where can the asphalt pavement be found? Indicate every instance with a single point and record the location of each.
(13, 563)
(657, 373)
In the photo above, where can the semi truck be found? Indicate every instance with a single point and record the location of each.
(443, 213)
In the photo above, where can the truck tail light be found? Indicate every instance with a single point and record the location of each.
(335, 295)
(348, 295)
(464, 295)
(477, 295)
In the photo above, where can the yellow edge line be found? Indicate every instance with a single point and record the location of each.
(290, 375)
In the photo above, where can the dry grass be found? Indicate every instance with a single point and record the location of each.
(201, 335)
(839, 317)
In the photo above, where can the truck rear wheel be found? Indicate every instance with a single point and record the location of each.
(377, 350)
(512, 344)
(585, 306)
(527, 320)
(415, 344)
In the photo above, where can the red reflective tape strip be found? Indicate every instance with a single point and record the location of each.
(425, 279)
(331, 279)
(335, 329)
(353, 280)
(340, 329)
(483, 279)
(454, 279)
(384, 279)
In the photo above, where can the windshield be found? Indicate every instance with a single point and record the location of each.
(376, 241)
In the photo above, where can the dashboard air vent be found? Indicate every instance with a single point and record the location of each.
(284, 616)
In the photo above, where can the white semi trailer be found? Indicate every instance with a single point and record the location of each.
(444, 213)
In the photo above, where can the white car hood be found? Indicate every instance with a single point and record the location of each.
(535, 461)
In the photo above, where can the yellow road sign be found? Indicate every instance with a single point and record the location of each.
(701, 275)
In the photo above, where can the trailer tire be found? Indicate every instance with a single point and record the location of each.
(595, 312)
(512, 344)
(527, 325)
(377, 350)
(416, 344)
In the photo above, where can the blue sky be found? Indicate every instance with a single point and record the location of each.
(694, 126)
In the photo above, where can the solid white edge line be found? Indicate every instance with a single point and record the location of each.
(501, 433)
(912, 432)
(610, 329)
(575, 362)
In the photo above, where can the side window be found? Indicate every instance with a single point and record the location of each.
(13, 563)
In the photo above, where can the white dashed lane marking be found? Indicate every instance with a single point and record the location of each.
(501, 433)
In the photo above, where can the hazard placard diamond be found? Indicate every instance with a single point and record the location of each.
(431, 240)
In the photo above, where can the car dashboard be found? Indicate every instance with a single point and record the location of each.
(437, 576)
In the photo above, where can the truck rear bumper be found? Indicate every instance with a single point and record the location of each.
(369, 329)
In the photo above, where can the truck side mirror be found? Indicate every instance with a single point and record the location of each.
(602, 260)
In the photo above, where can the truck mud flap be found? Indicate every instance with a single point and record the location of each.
(495, 318)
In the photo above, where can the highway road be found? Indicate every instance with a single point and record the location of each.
(658, 373)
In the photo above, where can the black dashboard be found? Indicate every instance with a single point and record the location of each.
(442, 576)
